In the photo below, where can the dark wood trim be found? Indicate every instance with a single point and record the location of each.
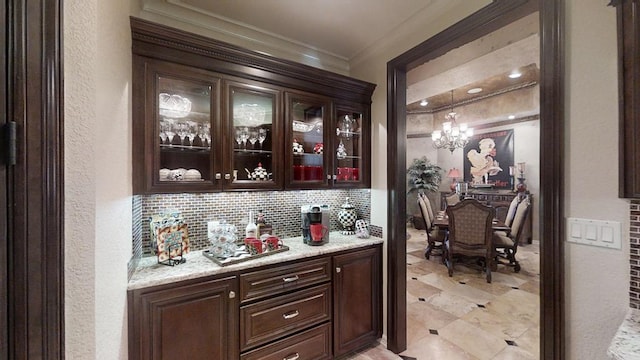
(494, 16)
(4, 231)
(628, 29)
(35, 184)
(476, 128)
(551, 200)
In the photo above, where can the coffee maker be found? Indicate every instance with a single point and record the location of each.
(315, 224)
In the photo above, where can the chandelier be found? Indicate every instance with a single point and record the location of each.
(452, 135)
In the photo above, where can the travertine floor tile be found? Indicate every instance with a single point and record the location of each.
(435, 347)
(503, 327)
(482, 315)
(472, 339)
(429, 317)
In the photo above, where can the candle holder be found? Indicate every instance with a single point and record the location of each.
(521, 187)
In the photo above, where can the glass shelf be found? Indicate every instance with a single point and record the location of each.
(168, 147)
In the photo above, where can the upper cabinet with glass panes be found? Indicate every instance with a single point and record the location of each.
(208, 116)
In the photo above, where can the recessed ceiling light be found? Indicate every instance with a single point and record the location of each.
(515, 75)
(511, 117)
(474, 91)
(423, 103)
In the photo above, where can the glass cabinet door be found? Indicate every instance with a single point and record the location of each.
(184, 131)
(307, 165)
(253, 137)
(348, 146)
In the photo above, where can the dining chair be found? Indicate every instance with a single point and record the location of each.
(506, 245)
(470, 234)
(452, 199)
(511, 213)
(435, 236)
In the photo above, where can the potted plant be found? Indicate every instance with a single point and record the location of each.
(422, 176)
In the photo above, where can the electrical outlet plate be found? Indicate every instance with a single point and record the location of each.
(600, 233)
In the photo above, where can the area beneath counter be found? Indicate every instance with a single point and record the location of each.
(150, 273)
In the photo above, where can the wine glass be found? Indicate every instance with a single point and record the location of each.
(253, 137)
(163, 134)
(262, 136)
(244, 135)
(183, 131)
(204, 132)
(238, 136)
(192, 131)
(169, 130)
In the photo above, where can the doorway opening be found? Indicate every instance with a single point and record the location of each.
(485, 21)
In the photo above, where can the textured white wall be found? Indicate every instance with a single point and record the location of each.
(597, 279)
(80, 59)
(97, 59)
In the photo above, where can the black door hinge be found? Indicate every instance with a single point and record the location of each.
(12, 145)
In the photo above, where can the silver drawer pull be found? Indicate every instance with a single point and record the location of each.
(291, 315)
(290, 279)
(295, 356)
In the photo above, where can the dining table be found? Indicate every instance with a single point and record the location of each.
(442, 222)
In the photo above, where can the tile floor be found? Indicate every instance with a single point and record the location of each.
(464, 317)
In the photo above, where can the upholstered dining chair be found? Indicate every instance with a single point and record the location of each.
(452, 199)
(511, 213)
(470, 234)
(506, 245)
(435, 236)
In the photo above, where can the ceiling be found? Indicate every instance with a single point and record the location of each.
(343, 28)
(346, 28)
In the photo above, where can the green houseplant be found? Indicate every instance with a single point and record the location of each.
(422, 176)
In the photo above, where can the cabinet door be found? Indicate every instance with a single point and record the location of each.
(357, 292)
(350, 146)
(175, 133)
(197, 321)
(306, 136)
(253, 145)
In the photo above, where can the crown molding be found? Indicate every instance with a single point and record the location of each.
(177, 14)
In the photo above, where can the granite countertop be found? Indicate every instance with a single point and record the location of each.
(150, 273)
(626, 344)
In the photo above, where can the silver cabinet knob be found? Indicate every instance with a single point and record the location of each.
(227, 176)
(218, 176)
(232, 294)
(338, 269)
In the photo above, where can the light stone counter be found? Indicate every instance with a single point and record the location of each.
(626, 344)
(150, 273)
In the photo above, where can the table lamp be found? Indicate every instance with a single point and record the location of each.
(453, 174)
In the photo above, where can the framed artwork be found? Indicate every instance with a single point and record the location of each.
(487, 158)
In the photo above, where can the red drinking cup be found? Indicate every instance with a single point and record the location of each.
(253, 245)
(318, 232)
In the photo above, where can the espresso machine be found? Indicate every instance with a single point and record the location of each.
(315, 224)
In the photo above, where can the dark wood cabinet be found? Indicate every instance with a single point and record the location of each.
(317, 308)
(193, 321)
(357, 300)
(628, 19)
(209, 116)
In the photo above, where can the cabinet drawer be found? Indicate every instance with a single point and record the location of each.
(274, 281)
(314, 344)
(270, 319)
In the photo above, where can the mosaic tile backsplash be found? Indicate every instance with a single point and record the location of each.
(281, 210)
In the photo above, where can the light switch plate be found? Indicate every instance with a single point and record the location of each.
(601, 233)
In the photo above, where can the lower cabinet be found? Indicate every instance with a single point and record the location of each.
(193, 321)
(357, 300)
(314, 309)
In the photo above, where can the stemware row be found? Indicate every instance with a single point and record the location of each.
(186, 130)
(244, 134)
